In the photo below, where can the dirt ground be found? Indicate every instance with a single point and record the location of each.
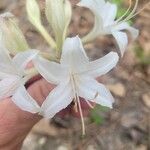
(127, 126)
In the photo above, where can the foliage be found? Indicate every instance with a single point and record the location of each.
(96, 116)
(143, 57)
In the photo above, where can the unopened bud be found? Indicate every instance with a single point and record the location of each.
(34, 16)
(11, 35)
(58, 13)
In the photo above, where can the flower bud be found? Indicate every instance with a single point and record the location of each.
(11, 35)
(58, 13)
(34, 16)
(33, 11)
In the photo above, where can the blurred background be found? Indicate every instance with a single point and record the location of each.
(127, 126)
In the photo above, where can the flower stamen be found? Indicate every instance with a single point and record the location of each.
(135, 14)
(132, 14)
(130, 5)
(77, 102)
(81, 115)
(75, 107)
(89, 104)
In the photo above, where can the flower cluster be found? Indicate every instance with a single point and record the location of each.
(69, 69)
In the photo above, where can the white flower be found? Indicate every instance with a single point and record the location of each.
(105, 23)
(13, 78)
(74, 77)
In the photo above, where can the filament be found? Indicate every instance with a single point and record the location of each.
(81, 115)
(89, 104)
(130, 5)
(77, 101)
(73, 86)
(75, 106)
(120, 20)
(133, 11)
(74, 92)
(139, 11)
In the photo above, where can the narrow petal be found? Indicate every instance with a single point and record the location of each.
(6, 65)
(57, 100)
(4, 56)
(109, 13)
(8, 86)
(51, 71)
(104, 98)
(134, 32)
(122, 40)
(103, 65)
(6, 70)
(23, 58)
(93, 91)
(24, 101)
(125, 26)
(97, 30)
(120, 26)
(4, 75)
(73, 54)
(96, 6)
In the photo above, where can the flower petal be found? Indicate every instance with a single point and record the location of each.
(4, 56)
(24, 101)
(125, 26)
(51, 71)
(4, 74)
(121, 39)
(105, 14)
(103, 65)
(73, 54)
(96, 6)
(57, 100)
(134, 32)
(6, 65)
(23, 58)
(109, 13)
(97, 30)
(8, 86)
(93, 91)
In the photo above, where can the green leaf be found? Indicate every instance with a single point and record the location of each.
(95, 114)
